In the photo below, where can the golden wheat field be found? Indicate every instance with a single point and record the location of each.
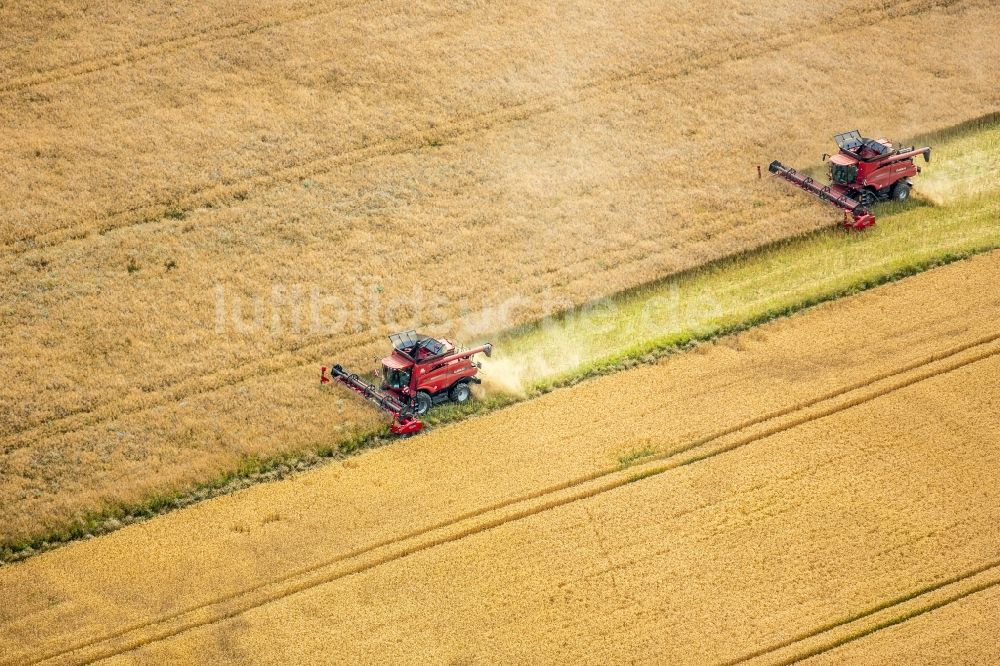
(202, 203)
(771, 496)
(625, 575)
(718, 430)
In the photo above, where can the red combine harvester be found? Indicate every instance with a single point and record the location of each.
(863, 172)
(420, 372)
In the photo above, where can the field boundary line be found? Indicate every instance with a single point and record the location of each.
(219, 194)
(226, 376)
(914, 596)
(583, 487)
(304, 353)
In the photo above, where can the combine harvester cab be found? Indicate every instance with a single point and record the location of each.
(420, 372)
(862, 173)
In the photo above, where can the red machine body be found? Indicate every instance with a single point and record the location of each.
(864, 172)
(423, 370)
(420, 372)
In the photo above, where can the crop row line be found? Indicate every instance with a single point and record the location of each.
(510, 510)
(297, 355)
(194, 39)
(219, 194)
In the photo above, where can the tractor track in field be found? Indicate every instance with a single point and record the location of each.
(229, 30)
(514, 509)
(896, 603)
(225, 194)
(233, 29)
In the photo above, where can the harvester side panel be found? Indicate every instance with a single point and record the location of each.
(443, 373)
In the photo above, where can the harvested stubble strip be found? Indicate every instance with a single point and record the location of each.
(205, 553)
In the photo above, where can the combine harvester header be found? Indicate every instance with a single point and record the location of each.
(864, 172)
(404, 421)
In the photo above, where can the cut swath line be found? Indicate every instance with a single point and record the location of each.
(553, 497)
(874, 610)
(457, 128)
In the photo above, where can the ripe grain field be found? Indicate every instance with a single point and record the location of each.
(498, 161)
(840, 515)
(618, 520)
